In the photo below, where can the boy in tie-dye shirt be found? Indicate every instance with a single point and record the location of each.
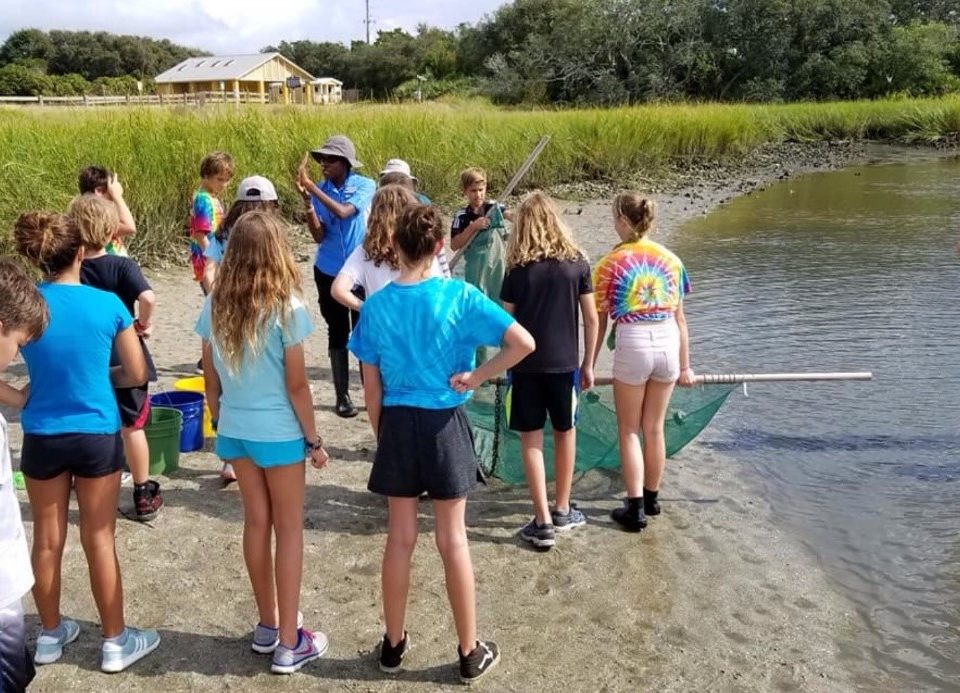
(206, 212)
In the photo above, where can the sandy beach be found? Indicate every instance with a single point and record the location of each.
(712, 596)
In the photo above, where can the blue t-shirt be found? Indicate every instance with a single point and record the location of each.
(69, 366)
(254, 404)
(215, 249)
(341, 236)
(419, 335)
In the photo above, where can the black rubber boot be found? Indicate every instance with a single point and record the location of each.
(630, 517)
(340, 368)
(650, 504)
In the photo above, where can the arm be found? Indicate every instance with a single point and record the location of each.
(146, 302)
(465, 236)
(686, 373)
(132, 370)
(507, 214)
(209, 273)
(601, 331)
(127, 226)
(211, 382)
(12, 397)
(591, 323)
(372, 395)
(337, 209)
(517, 343)
(342, 292)
(298, 390)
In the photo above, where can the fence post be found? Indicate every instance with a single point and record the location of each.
(160, 94)
(85, 100)
(40, 99)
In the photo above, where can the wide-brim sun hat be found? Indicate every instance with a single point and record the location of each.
(338, 145)
(398, 166)
(256, 189)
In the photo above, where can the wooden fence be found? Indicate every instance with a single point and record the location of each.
(194, 99)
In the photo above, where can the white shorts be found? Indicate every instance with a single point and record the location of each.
(647, 351)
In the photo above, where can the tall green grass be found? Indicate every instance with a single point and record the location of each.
(157, 151)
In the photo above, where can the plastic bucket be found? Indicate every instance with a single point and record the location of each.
(190, 404)
(196, 384)
(163, 439)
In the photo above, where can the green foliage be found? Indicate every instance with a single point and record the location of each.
(20, 80)
(916, 60)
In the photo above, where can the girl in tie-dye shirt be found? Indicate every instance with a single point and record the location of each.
(640, 286)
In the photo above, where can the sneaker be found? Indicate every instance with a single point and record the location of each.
(116, 654)
(541, 536)
(148, 500)
(476, 664)
(310, 646)
(391, 657)
(266, 639)
(227, 473)
(50, 643)
(564, 522)
(199, 368)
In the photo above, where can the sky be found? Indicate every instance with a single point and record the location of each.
(237, 26)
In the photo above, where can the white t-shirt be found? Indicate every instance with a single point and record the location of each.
(16, 575)
(372, 278)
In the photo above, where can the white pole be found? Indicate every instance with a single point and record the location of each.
(736, 378)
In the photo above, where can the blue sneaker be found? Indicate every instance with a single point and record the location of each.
(310, 646)
(564, 522)
(132, 645)
(541, 536)
(266, 639)
(50, 643)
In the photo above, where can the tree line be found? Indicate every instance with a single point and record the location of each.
(576, 52)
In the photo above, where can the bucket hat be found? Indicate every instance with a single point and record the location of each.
(338, 145)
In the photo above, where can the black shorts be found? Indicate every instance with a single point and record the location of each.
(424, 450)
(86, 455)
(134, 405)
(534, 395)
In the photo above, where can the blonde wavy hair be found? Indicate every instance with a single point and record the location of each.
(388, 204)
(255, 283)
(97, 219)
(539, 233)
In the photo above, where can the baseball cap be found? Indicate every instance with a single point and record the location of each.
(338, 145)
(398, 166)
(256, 189)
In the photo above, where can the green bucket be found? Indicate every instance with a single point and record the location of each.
(163, 438)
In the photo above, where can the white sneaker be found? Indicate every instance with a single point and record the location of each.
(130, 646)
(50, 643)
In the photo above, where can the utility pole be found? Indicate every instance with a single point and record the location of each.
(367, 21)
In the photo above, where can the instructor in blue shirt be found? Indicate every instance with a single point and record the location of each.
(337, 210)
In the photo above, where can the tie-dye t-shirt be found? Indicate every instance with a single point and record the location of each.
(640, 281)
(206, 213)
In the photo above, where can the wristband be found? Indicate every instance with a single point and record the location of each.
(214, 423)
(310, 447)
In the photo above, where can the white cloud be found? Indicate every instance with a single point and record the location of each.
(236, 26)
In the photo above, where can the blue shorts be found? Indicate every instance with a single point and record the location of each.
(263, 454)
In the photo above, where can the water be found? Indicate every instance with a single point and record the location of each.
(850, 270)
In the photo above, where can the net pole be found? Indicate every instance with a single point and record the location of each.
(737, 378)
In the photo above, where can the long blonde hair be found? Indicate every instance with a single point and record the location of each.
(640, 213)
(388, 204)
(255, 283)
(539, 233)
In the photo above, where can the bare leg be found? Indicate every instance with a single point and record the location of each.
(531, 446)
(628, 400)
(257, 536)
(564, 459)
(137, 452)
(97, 499)
(451, 535)
(49, 501)
(654, 443)
(397, 555)
(287, 486)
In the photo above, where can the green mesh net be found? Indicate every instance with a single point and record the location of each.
(498, 448)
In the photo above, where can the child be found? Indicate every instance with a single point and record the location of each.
(397, 172)
(415, 382)
(374, 264)
(206, 212)
(103, 182)
(641, 285)
(23, 318)
(546, 288)
(255, 192)
(97, 220)
(253, 328)
(71, 436)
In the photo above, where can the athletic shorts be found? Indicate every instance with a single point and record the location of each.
(86, 455)
(534, 395)
(263, 454)
(16, 664)
(134, 404)
(647, 351)
(424, 450)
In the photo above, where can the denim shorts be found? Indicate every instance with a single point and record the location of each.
(263, 454)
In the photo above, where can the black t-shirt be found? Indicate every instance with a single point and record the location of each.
(120, 276)
(546, 299)
(466, 216)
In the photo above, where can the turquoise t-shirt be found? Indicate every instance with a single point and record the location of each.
(69, 366)
(421, 334)
(215, 249)
(254, 404)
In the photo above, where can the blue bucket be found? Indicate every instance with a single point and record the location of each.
(190, 404)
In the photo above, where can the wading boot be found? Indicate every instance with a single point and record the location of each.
(340, 368)
(630, 517)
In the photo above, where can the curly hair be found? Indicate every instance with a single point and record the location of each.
(51, 242)
(539, 233)
(389, 202)
(255, 284)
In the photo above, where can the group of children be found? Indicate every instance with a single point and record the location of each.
(381, 262)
